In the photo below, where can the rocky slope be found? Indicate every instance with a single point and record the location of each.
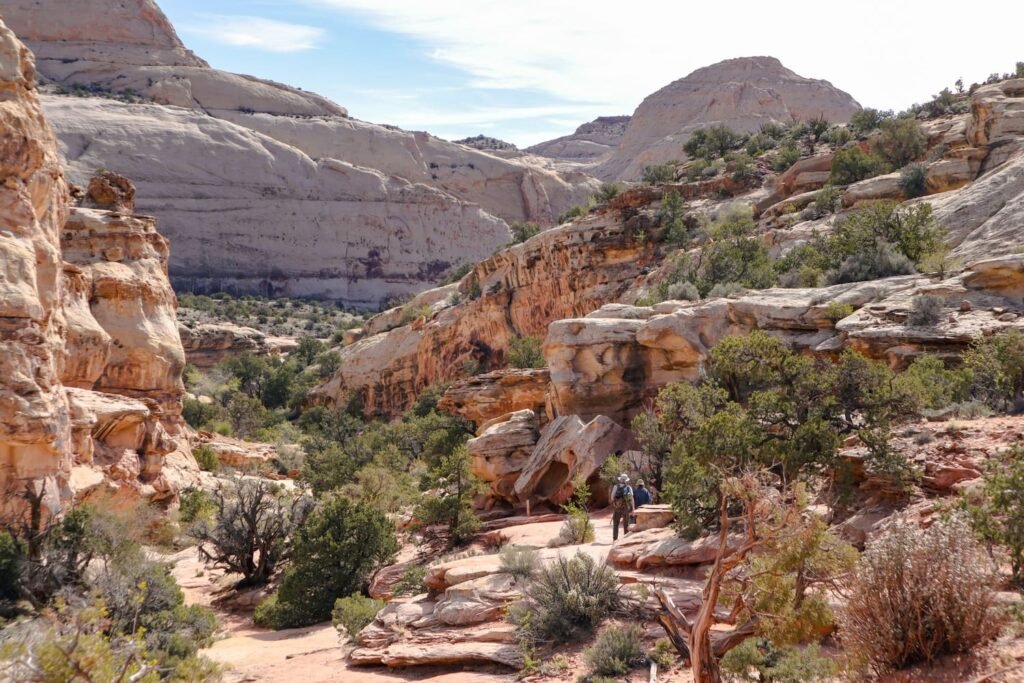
(741, 93)
(90, 393)
(610, 357)
(297, 199)
(590, 142)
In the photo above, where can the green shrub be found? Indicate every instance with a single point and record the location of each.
(838, 136)
(335, 550)
(525, 352)
(996, 513)
(411, 581)
(206, 458)
(996, 364)
(568, 598)
(606, 192)
(452, 487)
(836, 311)
(899, 142)
(786, 155)
(682, 291)
(932, 385)
(411, 313)
(616, 650)
(672, 218)
(712, 142)
(760, 143)
(663, 654)
(938, 597)
(574, 212)
(195, 504)
(523, 230)
(925, 311)
(874, 262)
(868, 120)
(577, 527)
(199, 414)
(354, 613)
(659, 174)
(520, 562)
(757, 660)
(853, 164)
(827, 200)
(913, 181)
(735, 254)
(740, 165)
(725, 290)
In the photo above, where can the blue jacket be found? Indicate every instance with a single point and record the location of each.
(641, 496)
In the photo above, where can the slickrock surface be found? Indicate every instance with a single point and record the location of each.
(741, 93)
(591, 142)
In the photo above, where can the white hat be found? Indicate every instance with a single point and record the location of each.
(623, 477)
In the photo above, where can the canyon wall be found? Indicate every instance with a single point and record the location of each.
(263, 188)
(90, 383)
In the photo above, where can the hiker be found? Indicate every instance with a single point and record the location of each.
(641, 495)
(622, 506)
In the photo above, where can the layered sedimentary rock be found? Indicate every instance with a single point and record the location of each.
(91, 357)
(296, 198)
(613, 360)
(741, 93)
(123, 354)
(207, 344)
(590, 142)
(566, 271)
(482, 398)
(503, 447)
(35, 428)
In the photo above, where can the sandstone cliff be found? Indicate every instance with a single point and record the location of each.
(91, 389)
(741, 93)
(35, 427)
(297, 199)
(565, 271)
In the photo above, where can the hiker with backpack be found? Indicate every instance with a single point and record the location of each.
(622, 506)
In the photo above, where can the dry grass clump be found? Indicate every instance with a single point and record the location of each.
(917, 595)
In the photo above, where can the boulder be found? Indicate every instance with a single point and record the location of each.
(505, 444)
(569, 448)
(663, 547)
(653, 516)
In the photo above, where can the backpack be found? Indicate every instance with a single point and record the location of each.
(620, 494)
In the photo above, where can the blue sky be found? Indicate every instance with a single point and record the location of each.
(530, 70)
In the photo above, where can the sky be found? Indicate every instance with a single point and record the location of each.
(532, 70)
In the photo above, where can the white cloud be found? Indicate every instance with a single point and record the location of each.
(886, 54)
(258, 33)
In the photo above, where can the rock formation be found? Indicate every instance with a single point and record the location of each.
(297, 199)
(591, 142)
(35, 424)
(92, 362)
(207, 344)
(741, 93)
(565, 271)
